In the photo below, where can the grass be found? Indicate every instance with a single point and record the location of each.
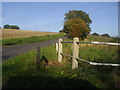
(100, 38)
(107, 75)
(16, 41)
(22, 71)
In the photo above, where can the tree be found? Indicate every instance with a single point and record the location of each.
(7, 26)
(79, 14)
(14, 27)
(105, 35)
(77, 23)
(76, 27)
(96, 34)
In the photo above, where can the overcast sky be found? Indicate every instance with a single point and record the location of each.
(49, 16)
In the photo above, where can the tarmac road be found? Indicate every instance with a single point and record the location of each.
(9, 52)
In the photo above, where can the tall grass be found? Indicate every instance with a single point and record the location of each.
(103, 76)
(100, 38)
(24, 66)
(22, 72)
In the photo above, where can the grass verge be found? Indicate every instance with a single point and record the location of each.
(22, 72)
(15, 41)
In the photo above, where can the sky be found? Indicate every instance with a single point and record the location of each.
(49, 16)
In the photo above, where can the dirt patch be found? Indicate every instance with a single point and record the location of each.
(54, 64)
(50, 64)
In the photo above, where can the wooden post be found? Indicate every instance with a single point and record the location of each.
(75, 53)
(38, 56)
(57, 47)
(60, 50)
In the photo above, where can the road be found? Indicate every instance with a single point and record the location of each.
(9, 52)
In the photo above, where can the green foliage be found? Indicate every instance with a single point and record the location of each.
(80, 22)
(100, 38)
(105, 35)
(78, 14)
(96, 34)
(76, 27)
(7, 26)
(11, 26)
(14, 27)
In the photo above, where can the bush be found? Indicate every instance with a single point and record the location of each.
(96, 34)
(105, 35)
(7, 26)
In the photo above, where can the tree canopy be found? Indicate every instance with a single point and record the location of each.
(76, 27)
(77, 23)
(78, 14)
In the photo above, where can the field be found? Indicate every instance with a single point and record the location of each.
(14, 33)
(16, 41)
(15, 37)
(22, 71)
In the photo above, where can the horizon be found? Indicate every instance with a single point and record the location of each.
(49, 16)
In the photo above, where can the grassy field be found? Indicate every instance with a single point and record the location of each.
(14, 33)
(22, 71)
(16, 41)
(100, 38)
(14, 37)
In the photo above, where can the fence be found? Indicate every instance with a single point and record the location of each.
(59, 48)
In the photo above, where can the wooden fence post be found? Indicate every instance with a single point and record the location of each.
(57, 47)
(75, 52)
(60, 50)
(38, 56)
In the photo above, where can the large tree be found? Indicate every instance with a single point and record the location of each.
(80, 21)
(79, 14)
(76, 27)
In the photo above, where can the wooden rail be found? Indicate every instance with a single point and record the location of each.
(74, 57)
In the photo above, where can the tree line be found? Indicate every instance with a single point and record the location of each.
(105, 35)
(11, 26)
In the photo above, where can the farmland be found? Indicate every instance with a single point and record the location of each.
(22, 71)
(14, 33)
(15, 37)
